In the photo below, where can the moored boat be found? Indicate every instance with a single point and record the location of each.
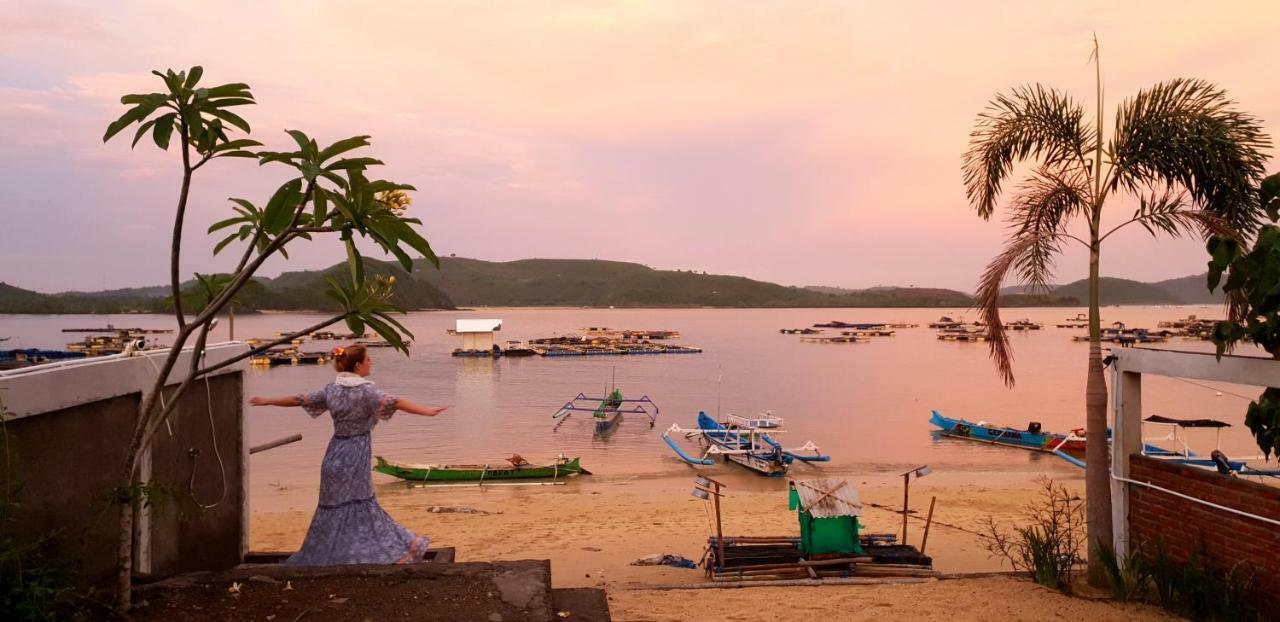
(607, 411)
(945, 322)
(1032, 437)
(514, 468)
(740, 440)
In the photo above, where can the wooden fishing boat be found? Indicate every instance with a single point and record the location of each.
(1071, 447)
(945, 322)
(607, 411)
(964, 333)
(741, 442)
(514, 468)
(1031, 438)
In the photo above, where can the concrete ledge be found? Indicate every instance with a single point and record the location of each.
(1250, 370)
(519, 590)
(51, 387)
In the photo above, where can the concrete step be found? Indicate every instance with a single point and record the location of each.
(508, 591)
(582, 604)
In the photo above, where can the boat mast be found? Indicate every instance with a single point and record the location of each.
(719, 377)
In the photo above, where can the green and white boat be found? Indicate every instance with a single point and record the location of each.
(514, 467)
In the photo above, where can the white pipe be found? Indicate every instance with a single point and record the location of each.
(1200, 501)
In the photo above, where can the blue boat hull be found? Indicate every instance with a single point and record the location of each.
(998, 435)
(960, 428)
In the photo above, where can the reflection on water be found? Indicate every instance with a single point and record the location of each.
(866, 404)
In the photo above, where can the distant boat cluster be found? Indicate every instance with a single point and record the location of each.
(593, 341)
(951, 329)
(293, 354)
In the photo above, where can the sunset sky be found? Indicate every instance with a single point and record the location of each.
(797, 142)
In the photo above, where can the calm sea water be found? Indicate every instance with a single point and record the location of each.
(866, 404)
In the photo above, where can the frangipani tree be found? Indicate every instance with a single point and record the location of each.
(1252, 287)
(328, 193)
(1179, 150)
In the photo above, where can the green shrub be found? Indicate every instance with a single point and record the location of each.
(1048, 547)
(1129, 577)
(1196, 590)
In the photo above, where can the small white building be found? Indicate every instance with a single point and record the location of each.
(477, 334)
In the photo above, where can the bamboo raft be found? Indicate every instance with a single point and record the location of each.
(844, 339)
(770, 558)
(867, 333)
(961, 336)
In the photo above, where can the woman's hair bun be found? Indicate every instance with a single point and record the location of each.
(346, 359)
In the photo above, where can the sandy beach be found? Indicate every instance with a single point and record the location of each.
(592, 529)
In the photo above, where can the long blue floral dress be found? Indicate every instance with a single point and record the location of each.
(349, 526)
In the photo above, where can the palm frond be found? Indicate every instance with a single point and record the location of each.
(1031, 121)
(1019, 255)
(1168, 212)
(1188, 133)
(1049, 198)
(1044, 204)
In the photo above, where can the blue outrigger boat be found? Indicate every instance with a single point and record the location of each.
(1032, 437)
(743, 441)
(1071, 447)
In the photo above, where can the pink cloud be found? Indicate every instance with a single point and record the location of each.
(827, 133)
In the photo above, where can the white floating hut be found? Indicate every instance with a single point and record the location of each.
(477, 334)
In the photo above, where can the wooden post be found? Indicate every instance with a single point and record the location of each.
(927, 523)
(719, 529)
(906, 486)
(276, 443)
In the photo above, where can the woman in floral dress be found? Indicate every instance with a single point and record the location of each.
(349, 527)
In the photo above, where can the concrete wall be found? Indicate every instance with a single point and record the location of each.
(65, 462)
(1186, 527)
(68, 433)
(204, 531)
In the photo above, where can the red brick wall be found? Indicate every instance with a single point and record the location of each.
(1224, 538)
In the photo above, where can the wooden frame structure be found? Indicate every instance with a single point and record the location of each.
(1127, 368)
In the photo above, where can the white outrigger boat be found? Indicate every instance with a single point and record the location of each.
(744, 441)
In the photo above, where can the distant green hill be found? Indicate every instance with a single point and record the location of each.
(305, 290)
(18, 300)
(589, 283)
(597, 283)
(291, 291)
(576, 282)
(1192, 289)
(1113, 291)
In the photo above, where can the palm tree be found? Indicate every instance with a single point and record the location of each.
(1180, 149)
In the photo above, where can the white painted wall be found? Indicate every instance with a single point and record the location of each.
(31, 391)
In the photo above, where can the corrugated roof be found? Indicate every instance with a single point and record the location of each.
(843, 500)
(478, 326)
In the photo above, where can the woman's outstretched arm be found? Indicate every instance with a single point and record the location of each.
(288, 400)
(418, 409)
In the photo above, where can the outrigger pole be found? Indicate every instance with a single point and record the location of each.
(571, 406)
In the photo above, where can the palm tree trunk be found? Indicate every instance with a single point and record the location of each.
(1097, 481)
